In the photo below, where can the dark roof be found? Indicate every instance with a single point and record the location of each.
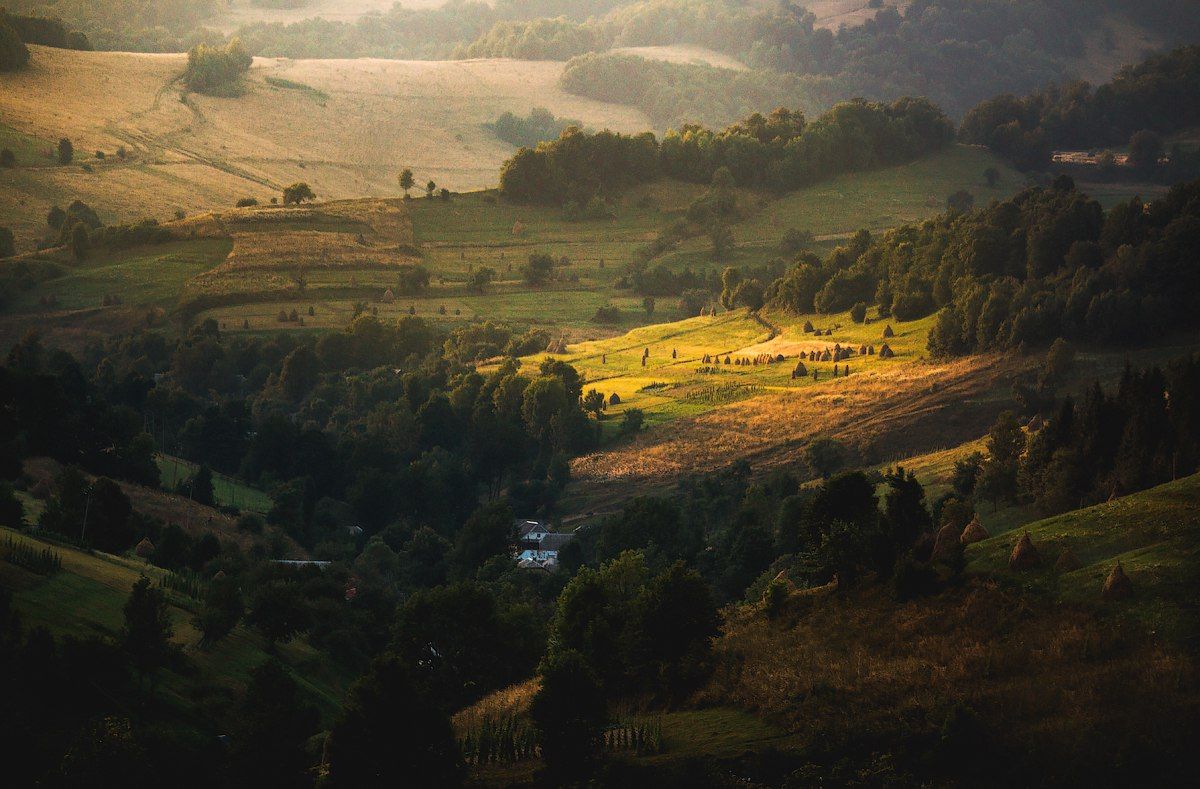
(553, 542)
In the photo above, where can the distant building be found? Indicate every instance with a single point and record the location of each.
(538, 545)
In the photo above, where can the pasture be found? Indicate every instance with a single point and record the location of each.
(1153, 534)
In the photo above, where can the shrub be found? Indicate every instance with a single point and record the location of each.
(632, 421)
(795, 240)
(858, 313)
(7, 158)
(217, 71)
(607, 314)
(247, 202)
(297, 193)
(66, 151)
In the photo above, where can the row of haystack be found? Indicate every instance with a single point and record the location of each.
(808, 329)
(743, 361)
(1025, 556)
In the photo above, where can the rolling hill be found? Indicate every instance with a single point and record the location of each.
(345, 127)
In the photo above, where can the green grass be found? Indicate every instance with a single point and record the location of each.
(668, 387)
(86, 598)
(474, 230)
(1155, 535)
(287, 84)
(28, 150)
(145, 276)
(227, 490)
(714, 732)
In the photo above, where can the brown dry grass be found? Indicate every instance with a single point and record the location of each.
(888, 411)
(272, 247)
(1057, 683)
(512, 701)
(375, 117)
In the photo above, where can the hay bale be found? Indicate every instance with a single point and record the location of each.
(1067, 561)
(887, 332)
(145, 548)
(974, 532)
(1117, 586)
(1024, 555)
(945, 542)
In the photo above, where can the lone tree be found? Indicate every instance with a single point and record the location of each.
(406, 181)
(278, 612)
(429, 189)
(219, 612)
(961, 201)
(390, 735)
(570, 712)
(66, 151)
(1145, 149)
(825, 456)
(297, 193)
(594, 403)
(146, 634)
(538, 270)
(201, 488)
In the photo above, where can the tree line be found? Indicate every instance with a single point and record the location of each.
(779, 152)
(1047, 263)
(1156, 97)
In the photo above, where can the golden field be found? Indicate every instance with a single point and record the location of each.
(346, 127)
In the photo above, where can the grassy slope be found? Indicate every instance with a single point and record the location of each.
(227, 490)
(363, 121)
(87, 596)
(1154, 534)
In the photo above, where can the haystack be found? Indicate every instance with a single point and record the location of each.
(1024, 555)
(145, 548)
(887, 332)
(388, 296)
(885, 352)
(1117, 586)
(1067, 561)
(947, 538)
(974, 532)
(808, 327)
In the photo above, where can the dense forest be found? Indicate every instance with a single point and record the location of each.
(1046, 263)
(632, 615)
(780, 152)
(1143, 103)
